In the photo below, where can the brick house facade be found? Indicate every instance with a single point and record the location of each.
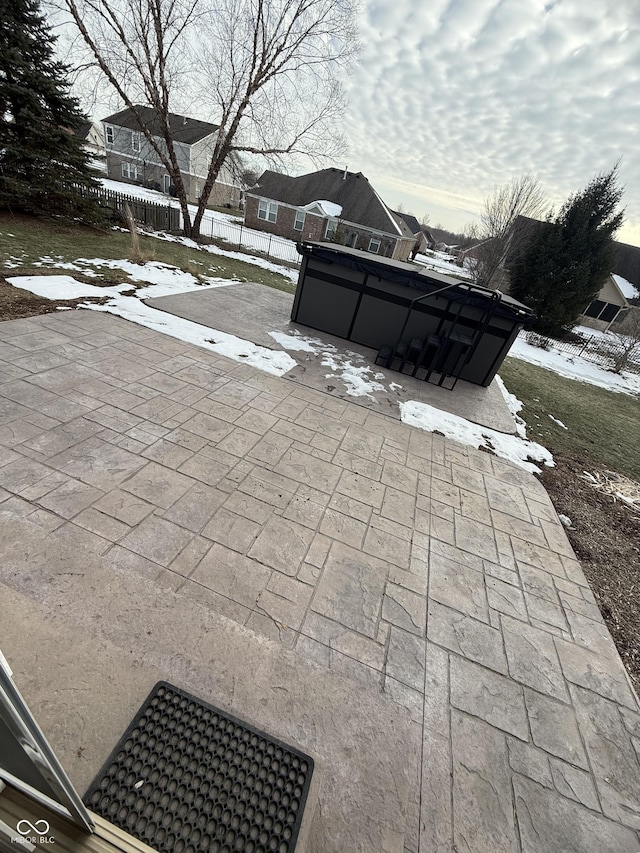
(329, 205)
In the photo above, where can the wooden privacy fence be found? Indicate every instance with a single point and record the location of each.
(160, 217)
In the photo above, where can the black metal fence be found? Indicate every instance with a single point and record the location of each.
(240, 237)
(594, 348)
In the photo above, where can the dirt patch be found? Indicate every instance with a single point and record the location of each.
(16, 303)
(605, 534)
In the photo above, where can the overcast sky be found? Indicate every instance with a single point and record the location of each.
(454, 97)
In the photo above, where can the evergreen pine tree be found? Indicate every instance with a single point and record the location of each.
(42, 161)
(568, 259)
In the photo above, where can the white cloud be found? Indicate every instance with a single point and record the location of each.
(457, 96)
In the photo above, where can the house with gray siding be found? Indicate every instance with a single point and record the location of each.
(132, 159)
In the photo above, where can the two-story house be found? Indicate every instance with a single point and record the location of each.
(132, 159)
(328, 205)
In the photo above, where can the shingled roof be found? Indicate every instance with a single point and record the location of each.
(183, 129)
(360, 203)
(410, 221)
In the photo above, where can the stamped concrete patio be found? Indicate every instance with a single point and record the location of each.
(406, 610)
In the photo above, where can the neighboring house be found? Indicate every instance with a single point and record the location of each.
(421, 244)
(330, 205)
(130, 157)
(92, 136)
(619, 288)
(610, 303)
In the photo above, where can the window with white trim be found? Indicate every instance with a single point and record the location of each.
(267, 210)
(330, 230)
(108, 131)
(374, 245)
(298, 222)
(135, 141)
(130, 171)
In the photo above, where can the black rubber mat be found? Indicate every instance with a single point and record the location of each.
(186, 777)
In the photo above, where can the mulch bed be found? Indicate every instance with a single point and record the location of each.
(605, 534)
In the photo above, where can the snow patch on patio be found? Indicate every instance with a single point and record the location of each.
(130, 307)
(297, 343)
(515, 448)
(358, 380)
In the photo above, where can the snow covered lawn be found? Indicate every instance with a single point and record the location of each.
(575, 367)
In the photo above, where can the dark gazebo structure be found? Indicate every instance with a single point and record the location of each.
(431, 326)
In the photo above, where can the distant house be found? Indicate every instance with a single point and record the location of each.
(421, 242)
(130, 157)
(92, 135)
(612, 300)
(328, 205)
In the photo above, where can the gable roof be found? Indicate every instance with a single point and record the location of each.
(352, 191)
(82, 130)
(183, 129)
(409, 220)
(628, 290)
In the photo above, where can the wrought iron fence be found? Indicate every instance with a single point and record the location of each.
(594, 348)
(238, 236)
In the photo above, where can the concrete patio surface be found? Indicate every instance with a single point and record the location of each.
(406, 610)
(251, 311)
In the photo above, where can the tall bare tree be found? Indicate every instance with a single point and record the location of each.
(264, 71)
(495, 234)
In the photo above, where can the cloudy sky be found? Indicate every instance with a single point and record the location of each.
(454, 97)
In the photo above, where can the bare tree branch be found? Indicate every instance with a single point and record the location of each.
(263, 71)
(495, 233)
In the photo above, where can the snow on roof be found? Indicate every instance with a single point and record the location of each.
(629, 291)
(329, 208)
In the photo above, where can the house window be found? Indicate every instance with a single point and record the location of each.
(374, 245)
(130, 171)
(267, 210)
(298, 223)
(610, 313)
(330, 230)
(135, 140)
(109, 135)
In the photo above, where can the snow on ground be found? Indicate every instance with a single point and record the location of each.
(439, 262)
(63, 287)
(216, 224)
(256, 260)
(131, 308)
(520, 450)
(575, 367)
(514, 405)
(556, 421)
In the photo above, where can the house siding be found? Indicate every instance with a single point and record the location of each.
(609, 295)
(348, 234)
(151, 173)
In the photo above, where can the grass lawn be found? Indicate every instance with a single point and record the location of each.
(33, 239)
(603, 427)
